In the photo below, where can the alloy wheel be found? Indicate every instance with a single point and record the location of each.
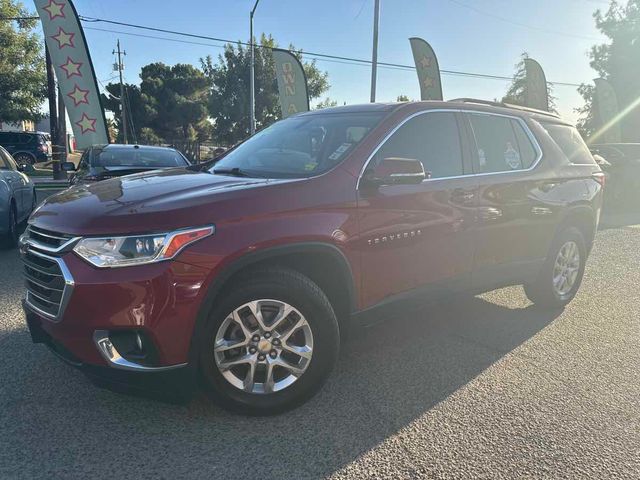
(263, 346)
(566, 268)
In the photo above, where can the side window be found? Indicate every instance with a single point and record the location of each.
(432, 138)
(528, 153)
(497, 146)
(570, 142)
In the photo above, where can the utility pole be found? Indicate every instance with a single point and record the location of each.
(252, 78)
(120, 67)
(53, 116)
(62, 130)
(374, 53)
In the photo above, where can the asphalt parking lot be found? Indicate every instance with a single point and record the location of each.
(481, 387)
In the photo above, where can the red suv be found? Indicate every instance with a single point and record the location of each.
(245, 273)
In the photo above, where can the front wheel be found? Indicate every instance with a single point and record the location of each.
(562, 272)
(270, 343)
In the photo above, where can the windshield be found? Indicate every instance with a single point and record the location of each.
(137, 158)
(299, 147)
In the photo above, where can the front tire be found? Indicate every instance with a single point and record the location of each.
(562, 272)
(269, 344)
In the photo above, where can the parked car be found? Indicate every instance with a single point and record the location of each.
(622, 168)
(245, 273)
(27, 148)
(114, 160)
(17, 198)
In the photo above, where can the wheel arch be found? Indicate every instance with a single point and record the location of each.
(323, 263)
(584, 218)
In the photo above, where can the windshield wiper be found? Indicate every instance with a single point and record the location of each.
(236, 172)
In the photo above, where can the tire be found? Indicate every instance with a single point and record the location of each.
(545, 292)
(11, 238)
(24, 159)
(268, 291)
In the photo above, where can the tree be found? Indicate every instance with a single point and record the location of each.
(326, 103)
(617, 61)
(403, 98)
(22, 69)
(135, 107)
(516, 94)
(229, 89)
(175, 101)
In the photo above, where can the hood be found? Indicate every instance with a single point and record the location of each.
(160, 200)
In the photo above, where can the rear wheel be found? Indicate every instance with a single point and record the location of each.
(270, 344)
(24, 159)
(561, 275)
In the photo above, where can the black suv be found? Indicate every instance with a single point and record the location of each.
(27, 148)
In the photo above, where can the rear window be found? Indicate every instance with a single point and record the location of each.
(130, 157)
(571, 143)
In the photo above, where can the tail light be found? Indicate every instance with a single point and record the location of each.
(600, 177)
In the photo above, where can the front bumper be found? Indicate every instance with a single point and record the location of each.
(175, 384)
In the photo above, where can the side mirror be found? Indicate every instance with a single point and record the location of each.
(68, 167)
(398, 171)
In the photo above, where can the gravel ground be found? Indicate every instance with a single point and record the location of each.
(483, 387)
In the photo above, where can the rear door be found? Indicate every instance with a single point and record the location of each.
(416, 236)
(513, 225)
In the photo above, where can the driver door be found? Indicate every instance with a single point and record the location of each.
(419, 238)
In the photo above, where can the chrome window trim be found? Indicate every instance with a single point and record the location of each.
(69, 284)
(524, 125)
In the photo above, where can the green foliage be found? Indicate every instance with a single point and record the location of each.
(403, 98)
(229, 89)
(516, 94)
(175, 100)
(135, 112)
(326, 103)
(617, 61)
(22, 69)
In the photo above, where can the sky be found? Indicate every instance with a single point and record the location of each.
(478, 36)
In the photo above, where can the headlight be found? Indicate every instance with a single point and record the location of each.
(138, 249)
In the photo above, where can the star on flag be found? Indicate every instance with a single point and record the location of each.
(78, 96)
(428, 82)
(86, 124)
(63, 38)
(425, 62)
(55, 10)
(71, 68)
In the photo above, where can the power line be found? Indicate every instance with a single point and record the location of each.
(317, 55)
(520, 24)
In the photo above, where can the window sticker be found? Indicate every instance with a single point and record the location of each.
(340, 151)
(311, 166)
(512, 157)
(482, 158)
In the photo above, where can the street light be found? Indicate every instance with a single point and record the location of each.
(252, 81)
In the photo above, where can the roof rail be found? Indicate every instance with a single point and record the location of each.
(505, 105)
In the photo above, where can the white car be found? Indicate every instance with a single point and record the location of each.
(17, 198)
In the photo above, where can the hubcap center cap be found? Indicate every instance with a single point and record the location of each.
(264, 346)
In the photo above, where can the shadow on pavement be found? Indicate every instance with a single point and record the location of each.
(55, 421)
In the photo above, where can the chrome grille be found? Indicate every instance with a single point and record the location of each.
(47, 240)
(49, 283)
